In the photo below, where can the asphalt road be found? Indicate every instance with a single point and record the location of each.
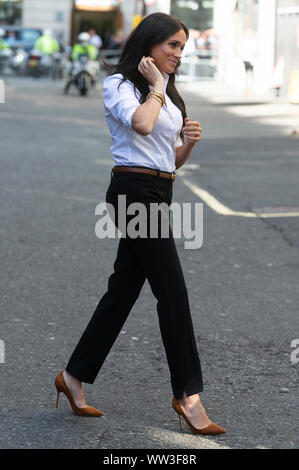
(242, 282)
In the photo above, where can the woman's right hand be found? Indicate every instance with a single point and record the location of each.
(148, 69)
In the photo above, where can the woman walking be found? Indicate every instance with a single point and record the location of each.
(152, 137)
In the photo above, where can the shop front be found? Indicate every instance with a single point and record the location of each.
(104, 16)
(10, 12)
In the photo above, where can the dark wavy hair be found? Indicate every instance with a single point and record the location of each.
(152, 30)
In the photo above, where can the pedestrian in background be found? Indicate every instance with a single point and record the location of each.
(47, 43)
(3, 44)
(248, 52)
(152, 136)
(116, 40)
(95, 39)
(115, 43)
(83, 46)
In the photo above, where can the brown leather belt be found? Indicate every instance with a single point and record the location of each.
(163, 174)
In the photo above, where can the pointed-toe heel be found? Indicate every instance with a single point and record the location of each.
(62, 387)
(212, 429)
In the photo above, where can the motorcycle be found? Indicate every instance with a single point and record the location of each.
(5, 56)
(38, 64)
(51, 65)
(83, 74)
(18, 61)
(57, 66)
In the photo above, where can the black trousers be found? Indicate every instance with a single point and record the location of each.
(138, 259)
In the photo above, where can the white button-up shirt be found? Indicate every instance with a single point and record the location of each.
(155, 150)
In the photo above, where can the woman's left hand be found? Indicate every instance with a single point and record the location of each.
(192, 130)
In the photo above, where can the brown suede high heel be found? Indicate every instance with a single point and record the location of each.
(212, 429)
(62, 387)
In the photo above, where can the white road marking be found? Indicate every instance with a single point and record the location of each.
(220, 208)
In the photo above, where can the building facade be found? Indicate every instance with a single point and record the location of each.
(275, 24)
(49, 14)
(287, 40)
(232, 19)
(276, 27)
(66, 18)
(11, 12)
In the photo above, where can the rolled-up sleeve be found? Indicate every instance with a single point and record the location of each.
(120, 101)
(178, 141)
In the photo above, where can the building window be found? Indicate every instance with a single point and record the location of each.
(10, 12)
(59, 16)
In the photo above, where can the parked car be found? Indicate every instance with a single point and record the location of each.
(21, 38)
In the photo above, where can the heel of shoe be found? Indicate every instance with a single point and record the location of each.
(57, 399)
(211, 429)
(62, 387)
(181, 422)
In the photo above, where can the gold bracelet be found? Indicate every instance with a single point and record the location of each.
(157, 98)
(158, 94)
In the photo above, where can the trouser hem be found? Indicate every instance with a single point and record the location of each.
(192, 389)
(79, 376)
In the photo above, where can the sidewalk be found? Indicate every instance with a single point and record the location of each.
(264, 106)
(218, 92)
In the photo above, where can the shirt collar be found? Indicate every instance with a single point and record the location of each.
(166, 78)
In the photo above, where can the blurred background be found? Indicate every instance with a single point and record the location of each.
(248, 44)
